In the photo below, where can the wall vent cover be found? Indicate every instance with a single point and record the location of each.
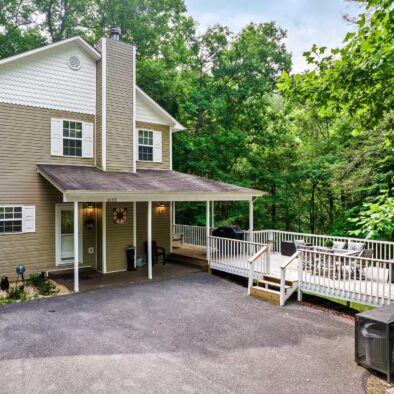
(74, 63)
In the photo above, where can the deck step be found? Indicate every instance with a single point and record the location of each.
(272, 284)
(265, 294)
(276, 279)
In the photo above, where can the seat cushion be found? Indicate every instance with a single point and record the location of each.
(357, 246)
(339, 245)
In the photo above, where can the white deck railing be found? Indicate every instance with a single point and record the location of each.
(382, 249)
(192, 235)
(196, 235)
(233, 256)
(358, 279)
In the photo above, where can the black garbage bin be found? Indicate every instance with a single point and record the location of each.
(131, 258)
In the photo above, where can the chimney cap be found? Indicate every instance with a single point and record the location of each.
(115, 32)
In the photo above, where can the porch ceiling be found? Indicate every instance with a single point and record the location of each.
(83, 183)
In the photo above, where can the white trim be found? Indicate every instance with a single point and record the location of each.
(58, 259)
(104, 196)
(135, 227)
(135, 136)
(251, 220)
(112, 272)
(170, 148)
(149, 239)
(104, 237)
(172, 121)
(76, 246)
(207, 228)
(104, 105)
(80, 41)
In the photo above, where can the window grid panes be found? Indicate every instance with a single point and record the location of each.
(72, 138)
(145, 145)
(10, 219)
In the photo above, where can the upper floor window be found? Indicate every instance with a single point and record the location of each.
(149, 145)
(72, 138)
(145, 145)
(17, 219)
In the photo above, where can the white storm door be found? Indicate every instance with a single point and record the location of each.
(65, 234)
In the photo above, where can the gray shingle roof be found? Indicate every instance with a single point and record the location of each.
(83, 178)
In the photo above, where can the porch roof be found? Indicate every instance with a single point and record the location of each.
(83, 183)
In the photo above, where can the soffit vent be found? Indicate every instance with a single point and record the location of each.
(74, 63)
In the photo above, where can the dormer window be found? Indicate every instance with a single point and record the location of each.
(149, 146)
(145, 145)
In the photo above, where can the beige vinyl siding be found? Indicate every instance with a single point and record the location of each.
(120, 121)
(99, 101)
(25, 136)
(119, 236)
(161, 227)
(165, 130)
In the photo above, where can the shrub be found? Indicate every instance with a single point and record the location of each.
(328, 243)
(42, 284)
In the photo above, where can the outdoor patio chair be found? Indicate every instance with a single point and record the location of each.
(157, 251)
(355, 268)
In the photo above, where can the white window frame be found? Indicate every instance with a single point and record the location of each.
(27, 219)
(58, 245)
(13, 219)
(145, 145)
(72, 138)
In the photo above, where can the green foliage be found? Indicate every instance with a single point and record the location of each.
(320, 143)
(42, 284)
(16, 293)
(376, 219)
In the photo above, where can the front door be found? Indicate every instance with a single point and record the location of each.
(65, 234)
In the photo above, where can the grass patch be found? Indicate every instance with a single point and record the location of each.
(335, 303)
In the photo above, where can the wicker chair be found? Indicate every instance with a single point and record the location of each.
(354, 268)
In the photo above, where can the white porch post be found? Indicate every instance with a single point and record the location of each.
(213, 213)
(104, 237)
(207, 222)
(76, 244)
(135, 226)
(149, 240)
(251, 220)
(173, 214)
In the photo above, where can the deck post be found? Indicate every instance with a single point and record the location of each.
(213, 214)
(149, 239)
(207, 222)
(76, 245)
(251, 220)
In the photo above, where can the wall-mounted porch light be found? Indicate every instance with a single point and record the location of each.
(89, 222)
(161, 208)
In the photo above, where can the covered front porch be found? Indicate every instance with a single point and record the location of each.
(131, 209)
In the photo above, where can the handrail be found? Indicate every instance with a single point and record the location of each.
(251, 262)
(282, 296)
(293, 257)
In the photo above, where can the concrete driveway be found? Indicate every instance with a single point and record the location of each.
(198, 333)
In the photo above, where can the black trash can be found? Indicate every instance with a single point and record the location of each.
(131, 258)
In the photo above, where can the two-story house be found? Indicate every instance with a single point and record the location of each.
(86, 161)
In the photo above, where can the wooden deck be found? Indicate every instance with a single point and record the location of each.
(366, 292)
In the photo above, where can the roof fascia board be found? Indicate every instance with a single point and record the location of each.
(87, 196)
(176, 125)
(90, 50)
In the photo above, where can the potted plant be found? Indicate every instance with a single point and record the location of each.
(328, 243)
